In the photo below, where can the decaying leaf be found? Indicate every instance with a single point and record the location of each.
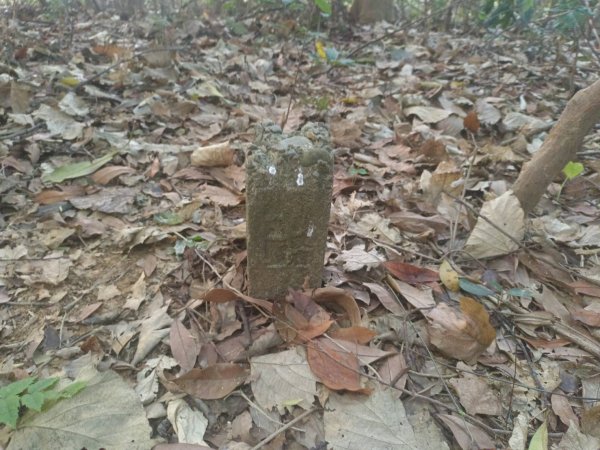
(411, 273)
(336, 367)
(213, 155)
(376, 422)
(283, 380)
(462, 334)
(476, 395)
(214, 382)
(184, 346)
(449, 276)
(466, 434)
(504, 217)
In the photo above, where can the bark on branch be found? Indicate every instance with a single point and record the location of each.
(579, 116)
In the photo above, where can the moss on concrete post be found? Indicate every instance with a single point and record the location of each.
(288, 197)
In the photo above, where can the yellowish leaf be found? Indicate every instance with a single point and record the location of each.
(69, 81)
(320, 50)
(539, 441)
(449, 276)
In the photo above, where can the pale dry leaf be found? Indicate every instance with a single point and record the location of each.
(73, 105)
(505, 213)
(446, 178)
(467, 435)
(59, 123)
(54, 237)
(147, 385)
(50, 271)
(106, 292)
(153, 330)
(241, 426)
(357, 258)
(375, 422)
(563, 409)
(386, 298)
(487, 113)
(518, 438)
(515, 121)
(590, 237)
(427, 114)
(375, 226)
(476, 395)
(184, 346)
(428, 433)
(20, 96)
(109, 200)
(283, 380)
(420, 298)
(105, 414)
(138, 294)
(221, 154)
(574, 439)
(189, 424)
(218, 195)
(395, 370)
(346, 133)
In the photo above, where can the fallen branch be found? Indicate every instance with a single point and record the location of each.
(579, 116)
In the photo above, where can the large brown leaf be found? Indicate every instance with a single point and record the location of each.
(214, 382)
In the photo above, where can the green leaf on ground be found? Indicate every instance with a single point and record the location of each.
(324, 6)
(76, 170)
(572, 169)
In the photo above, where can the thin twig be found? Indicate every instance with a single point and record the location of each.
(276, 433)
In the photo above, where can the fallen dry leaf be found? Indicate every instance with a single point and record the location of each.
(476, 395)
(299, 318)
(471, 122)
(508, 219)
(358, 335)
(213, 382)
(462, 334)
(106, 174)
(184, 346)
(394, 371)
(466, 434)
(213, 155)
(449, 276)
(336, 368)
(411, 273)
(563, 409)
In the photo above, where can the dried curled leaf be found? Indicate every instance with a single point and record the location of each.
(463, 334)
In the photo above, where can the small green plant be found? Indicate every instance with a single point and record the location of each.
(358, 171)
(571, 170)
(195, 242)
(505, 13)
(31, 393)
(324, 6)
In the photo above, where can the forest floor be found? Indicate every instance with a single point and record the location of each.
(122, 149)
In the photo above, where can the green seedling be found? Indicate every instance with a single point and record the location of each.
(358, 171)
(324, 6)
(31, 393)
(571, 171)
(195, 242)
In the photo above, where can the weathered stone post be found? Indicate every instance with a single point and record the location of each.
(289, 180)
